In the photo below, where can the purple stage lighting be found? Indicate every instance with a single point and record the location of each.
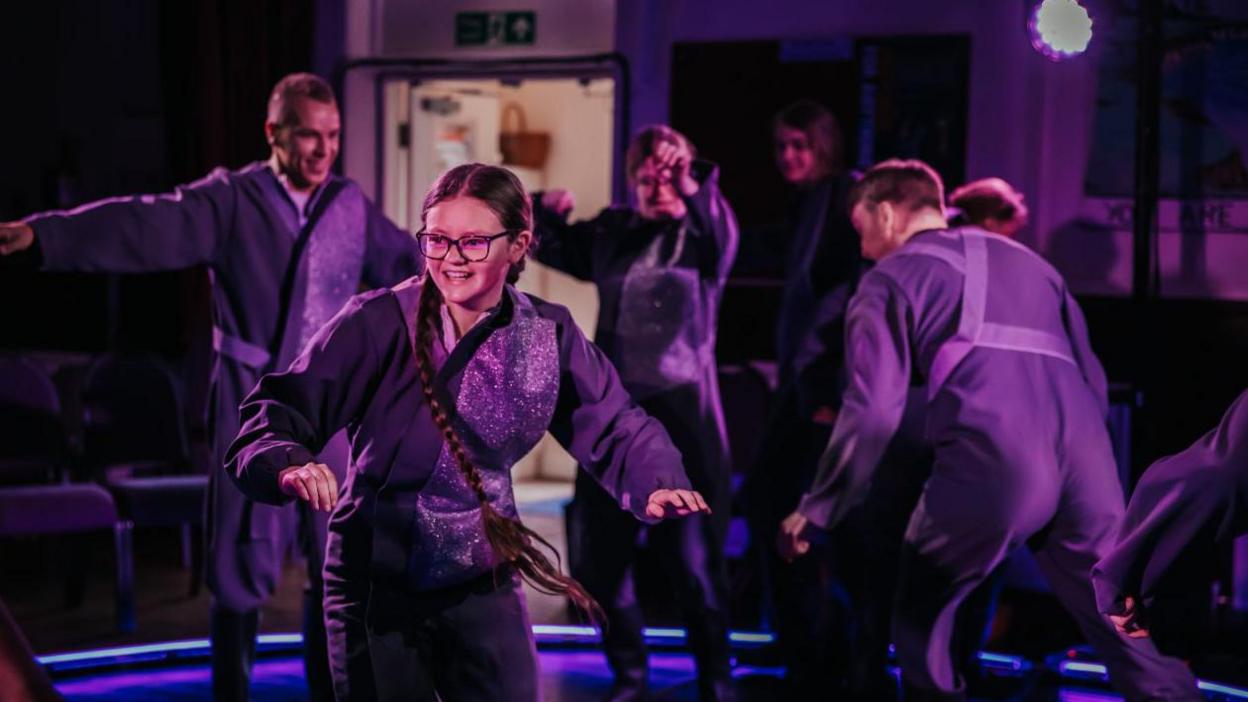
(1060, 28)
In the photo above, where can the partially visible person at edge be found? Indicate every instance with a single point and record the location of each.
(22, 679)
(1183, 507)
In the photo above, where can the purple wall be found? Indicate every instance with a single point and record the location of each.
(1030, 118)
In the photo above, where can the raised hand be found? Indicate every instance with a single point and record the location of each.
(675, 503)
(791, 542)
(14, 237)
(675, 159)
(313, 483)
(561, 202)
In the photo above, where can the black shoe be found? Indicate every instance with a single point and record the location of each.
(233, 653)
(628, 691)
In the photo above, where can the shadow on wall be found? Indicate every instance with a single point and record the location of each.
(1095, 260)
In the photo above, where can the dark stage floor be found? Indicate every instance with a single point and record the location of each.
(572, 670)
(568, 675)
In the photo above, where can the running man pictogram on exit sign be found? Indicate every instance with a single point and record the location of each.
(495, 28)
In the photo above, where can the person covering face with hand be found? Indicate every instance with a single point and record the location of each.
(660, 267)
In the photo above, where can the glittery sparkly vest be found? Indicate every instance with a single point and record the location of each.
(506, 400)
(329, 271)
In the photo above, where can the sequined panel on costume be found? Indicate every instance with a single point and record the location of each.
(335, 258)
(506, 401)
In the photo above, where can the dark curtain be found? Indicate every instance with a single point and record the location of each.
(219, 62)
(123, 98)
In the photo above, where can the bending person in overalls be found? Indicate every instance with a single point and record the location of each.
(660, 270)
(443, 383)
(1016, 415)
(287, 243)
(880, 521)
(1183, 506)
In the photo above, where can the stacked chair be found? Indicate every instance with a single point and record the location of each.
(36, 497)
(134, 443)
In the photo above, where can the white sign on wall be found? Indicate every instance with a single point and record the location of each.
(492, 28)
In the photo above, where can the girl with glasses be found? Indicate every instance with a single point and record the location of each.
(443, 383)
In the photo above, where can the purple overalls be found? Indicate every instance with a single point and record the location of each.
(1016, 415)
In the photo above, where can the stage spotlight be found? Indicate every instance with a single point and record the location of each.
(1060, 28)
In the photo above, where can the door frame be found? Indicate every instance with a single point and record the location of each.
(361, 83)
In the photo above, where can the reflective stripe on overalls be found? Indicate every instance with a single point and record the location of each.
(973, 331)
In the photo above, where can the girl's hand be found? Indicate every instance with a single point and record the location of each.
(313, 483)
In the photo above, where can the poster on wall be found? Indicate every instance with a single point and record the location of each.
(1204, 120)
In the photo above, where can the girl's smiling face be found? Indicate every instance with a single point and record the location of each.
(473, 285)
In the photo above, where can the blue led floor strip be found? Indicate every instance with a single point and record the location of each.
(569, 632)
(1086, 669)
(104, 657)
(193, 647)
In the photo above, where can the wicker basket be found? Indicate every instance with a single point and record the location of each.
(521, 147)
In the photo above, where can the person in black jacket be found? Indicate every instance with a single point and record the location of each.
(660, 268)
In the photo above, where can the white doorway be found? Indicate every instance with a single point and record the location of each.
(435, 124)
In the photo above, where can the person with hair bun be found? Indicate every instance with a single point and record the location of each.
(443, 383)
(660, 268)
(991, 204)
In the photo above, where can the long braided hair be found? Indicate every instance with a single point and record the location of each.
(512, 542)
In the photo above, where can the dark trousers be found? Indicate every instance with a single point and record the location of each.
(873, 601)
(834, 607)
(809, 600)
(469, 642)
(603, 546)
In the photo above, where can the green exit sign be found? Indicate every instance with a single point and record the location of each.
(495, 28)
